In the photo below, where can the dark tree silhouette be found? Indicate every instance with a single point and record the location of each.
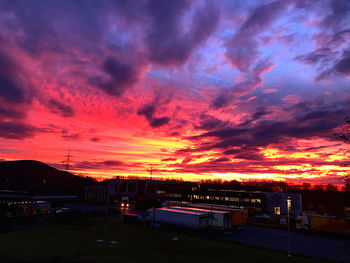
(344, 136)
(346, 181)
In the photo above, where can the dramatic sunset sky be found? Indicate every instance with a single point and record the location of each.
(196, 90)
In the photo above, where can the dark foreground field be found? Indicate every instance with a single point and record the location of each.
(78, 243)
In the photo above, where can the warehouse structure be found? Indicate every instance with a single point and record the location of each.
(181, 193)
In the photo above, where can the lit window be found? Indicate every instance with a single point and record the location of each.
(277, 210)
(255, 200)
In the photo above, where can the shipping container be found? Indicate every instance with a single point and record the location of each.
(188, 219)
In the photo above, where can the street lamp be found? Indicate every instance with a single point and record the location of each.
(289, 201)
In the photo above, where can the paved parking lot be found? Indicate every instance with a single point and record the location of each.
(329, 248)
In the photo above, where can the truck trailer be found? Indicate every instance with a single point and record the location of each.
(238, 215)
(188, 219)
(217, 219)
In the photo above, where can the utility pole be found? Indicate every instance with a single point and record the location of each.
(288, 215)
(68, 160)
(107, 202)
(150, 170)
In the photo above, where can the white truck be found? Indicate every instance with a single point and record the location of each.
(217, 219)
(188, 219)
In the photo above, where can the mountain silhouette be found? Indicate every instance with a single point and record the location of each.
(38, 177)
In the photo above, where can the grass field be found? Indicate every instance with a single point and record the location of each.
(135, 243)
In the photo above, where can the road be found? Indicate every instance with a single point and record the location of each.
(329, 248)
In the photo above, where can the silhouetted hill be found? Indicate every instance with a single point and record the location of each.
(34, 176)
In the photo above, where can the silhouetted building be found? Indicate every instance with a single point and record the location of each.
(21, 203)
(178, 193)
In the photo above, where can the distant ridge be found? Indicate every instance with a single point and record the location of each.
(37, 177)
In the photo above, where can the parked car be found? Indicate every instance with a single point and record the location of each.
(63, 210)
(262, 217)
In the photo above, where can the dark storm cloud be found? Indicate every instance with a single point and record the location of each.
(343, 65)
(333, 57)
(166, 41)
(325, 57)
(132, 10)
(11, 89)
(148, 111)
(9, 112)
(222, 133)
(340, 10)
(322, 55)
(260, 112)
(122, 76)
(186, 160)
(311, 120)
(208, 122)
(13, 100)
(112, 163)
(16, 130)
(340, 67)
(72, 137)
(315, 123)
(223, 100)
(58, 107)
(98, 165)
(220, 160)
(250, 156)
(242, 49)
(157, 122)
(172, 31)
(340, 37)
(320, 147)
(55, 25)
(246, 153)
(263, 15)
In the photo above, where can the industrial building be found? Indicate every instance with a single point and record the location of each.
(180, 193)
(21, 204)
